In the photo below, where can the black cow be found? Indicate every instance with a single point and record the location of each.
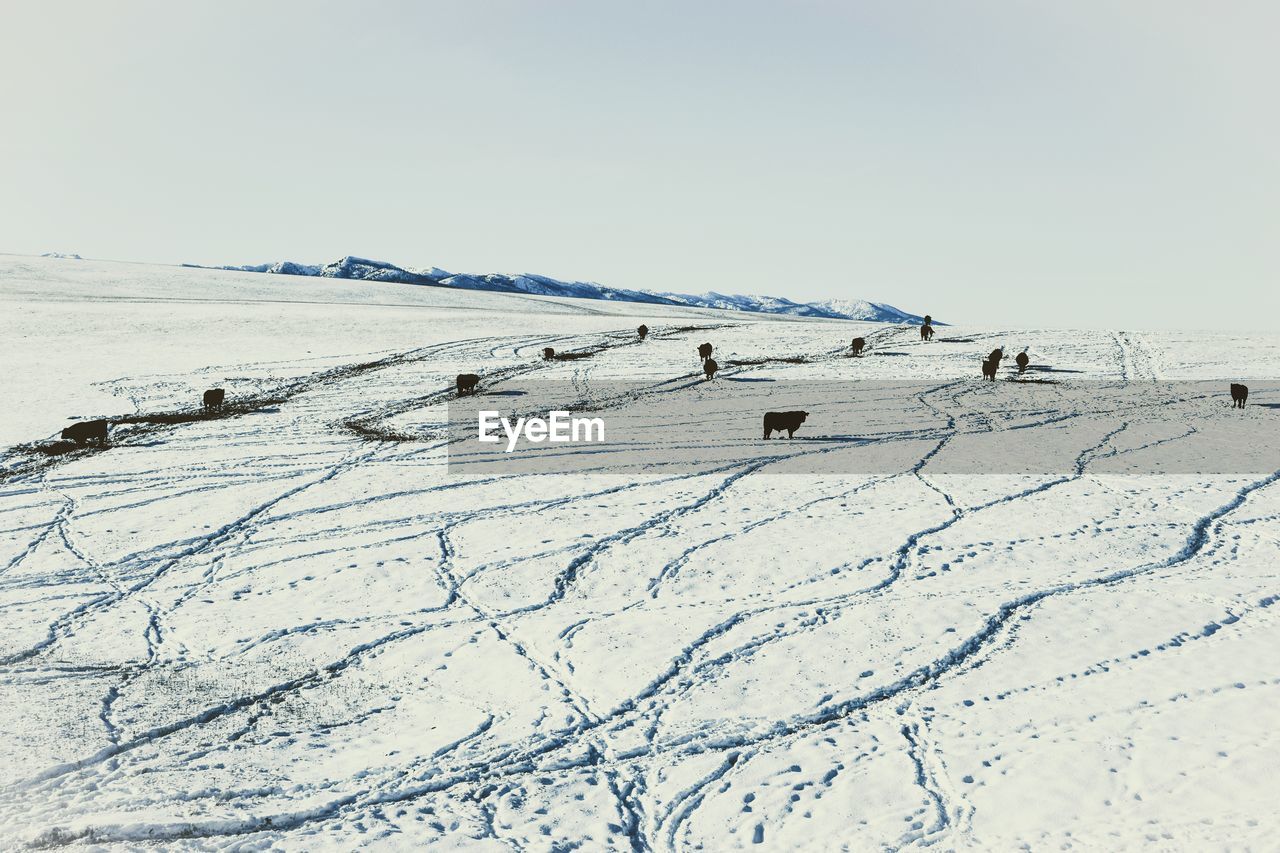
(1023, 360)
(989, 369)
(704, 351)
(1239, 393)
(710, 367)
(926, 332)
(85, 431)
(213, 398)
(642, 331)
(859, 344)
(467, 383)
(789, 421)
(548, 354)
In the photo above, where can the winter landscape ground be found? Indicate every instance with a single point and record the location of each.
(300, 626)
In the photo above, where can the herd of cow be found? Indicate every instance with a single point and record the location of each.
(992, 362)
(97, 430)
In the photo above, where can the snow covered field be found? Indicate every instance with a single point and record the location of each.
(273, 630)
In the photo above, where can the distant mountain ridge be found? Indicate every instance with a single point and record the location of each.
(365, 269)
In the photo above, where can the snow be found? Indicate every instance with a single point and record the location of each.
(366, 269)
(270, 631)
(861, 309)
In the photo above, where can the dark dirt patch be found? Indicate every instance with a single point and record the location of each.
(756, 362)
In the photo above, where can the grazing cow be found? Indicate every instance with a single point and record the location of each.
(859, 344)
(1023, 360)
(704, 351)
(467, 383)
(548, 354)
(710, 367)
(213, 398)
(1239, 393)
(642, 331)
(789, 421)
(989, 369)
(926, 332)
(85, 431)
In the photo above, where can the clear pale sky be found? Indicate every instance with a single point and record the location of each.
(1083, 163)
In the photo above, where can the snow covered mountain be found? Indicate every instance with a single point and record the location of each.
(352, 267)
(843, 309)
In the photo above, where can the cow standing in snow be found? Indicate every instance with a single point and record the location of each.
(789, 421)
(86, 431)
(1239, 393)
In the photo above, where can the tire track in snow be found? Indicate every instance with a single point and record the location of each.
(522, 764)
(925, 781)
(461, 782)
(63, 626)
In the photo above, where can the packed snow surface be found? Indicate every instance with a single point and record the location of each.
(293, 628)
(365, 269)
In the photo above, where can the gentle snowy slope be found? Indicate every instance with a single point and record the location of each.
(280, 631)
(369, 270)
(78, 339)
